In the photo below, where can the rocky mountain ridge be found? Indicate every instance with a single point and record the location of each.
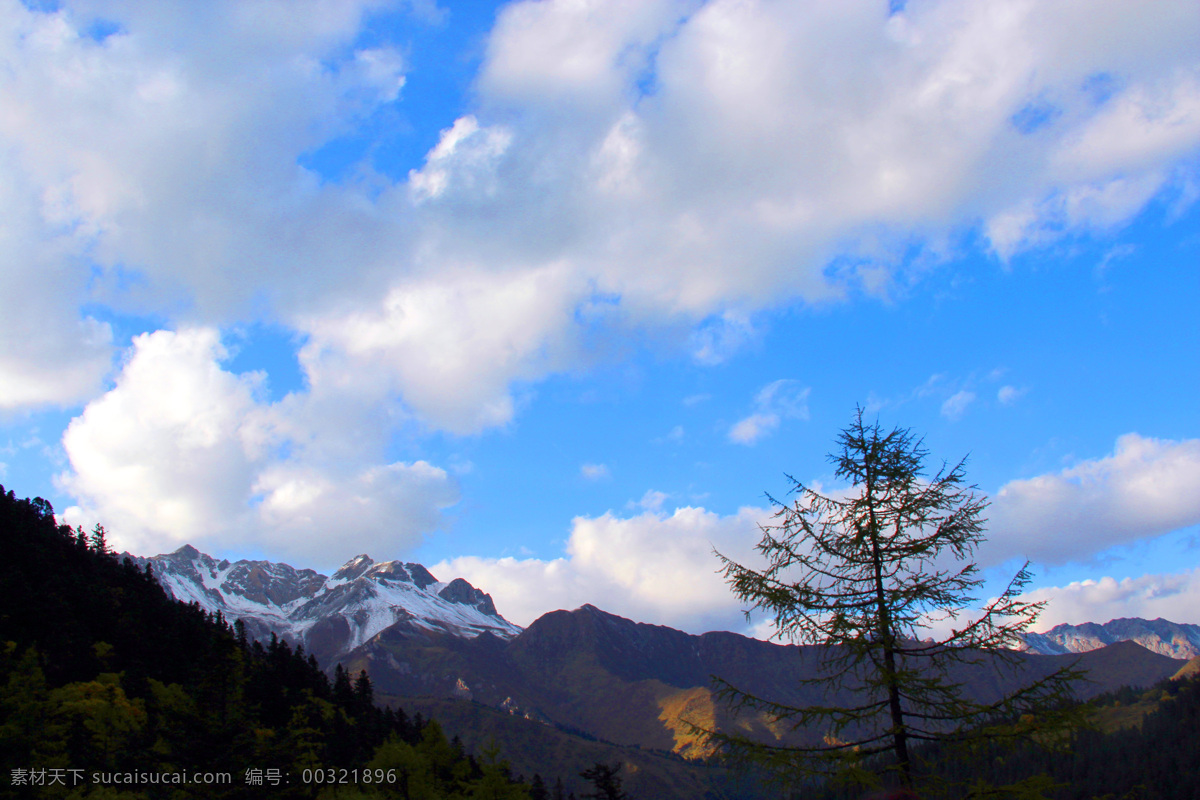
(584, 671)
(639, 685)
(1157, 635)
(329, 615)
(369, 596)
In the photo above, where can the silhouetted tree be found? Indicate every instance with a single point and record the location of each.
(865, 574)
(99, 539)
(604, 779)
(364, 692)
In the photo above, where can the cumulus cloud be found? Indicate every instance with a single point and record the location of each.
(464, 160)
(1146, 488)
(450, 345)
(779, 400)
(307, 510)
(658, 567)
(154, 169)
(50, 353)
(182, 451)
(1175, 597)
(654, 567)
(172, 444)
(635, 170)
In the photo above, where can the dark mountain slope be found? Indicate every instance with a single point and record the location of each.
(639, 685)
(102, 673)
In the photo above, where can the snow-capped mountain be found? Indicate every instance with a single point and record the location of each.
(1172, 639)
(328, 615)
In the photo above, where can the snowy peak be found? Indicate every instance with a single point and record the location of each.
(396, 572)
(353, 568)
(1158, 635)
(269, 584)
(329, 615)
(245, 585)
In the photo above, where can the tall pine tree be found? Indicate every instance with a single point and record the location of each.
(864, 574)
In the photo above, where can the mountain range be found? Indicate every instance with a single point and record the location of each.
(1157, 635)
(574, 689)
(643, 685)
(584, 670)
(328, 615)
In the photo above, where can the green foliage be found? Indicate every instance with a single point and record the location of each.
(112, 676)
(862, 575)
(100, 721)
(495, 782)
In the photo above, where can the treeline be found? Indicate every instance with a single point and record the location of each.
(1158, 759)
(1151, 753)
(107, 685)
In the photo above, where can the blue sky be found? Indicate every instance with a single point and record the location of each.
(549, 295)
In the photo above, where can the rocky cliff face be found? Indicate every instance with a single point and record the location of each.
(328, 615)
(1156, 635)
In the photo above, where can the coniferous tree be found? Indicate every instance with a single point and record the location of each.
(863, 575)
(343, 691)
(100, 540)
(605, 781)
(364, 692)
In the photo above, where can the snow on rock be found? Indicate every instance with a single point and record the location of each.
(328, 615)
(1158, 635)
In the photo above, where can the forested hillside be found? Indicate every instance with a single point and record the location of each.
(110, 689)
(1141, 744)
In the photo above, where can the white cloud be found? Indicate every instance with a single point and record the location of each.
(658, 567)
(594, 472)
(1007, 395)
(956, 405)
(779, 400)
(638, 150)
(181, 450)
(573, 54)
(463, 160)
(752, 428)
(1146, 488)
(450, 345)
(652, 500)
(155, 169)
(171, 447)
(1174, 597)
(720, 337)
(50, 354)
(653, 567)
(311, 512)
(382, 69)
